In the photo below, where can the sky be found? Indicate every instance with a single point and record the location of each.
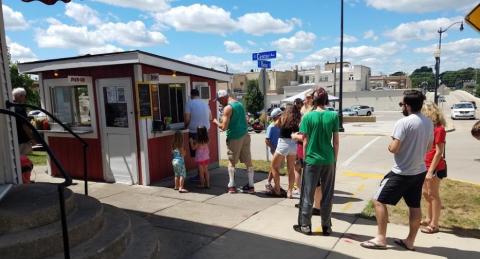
(387, 36)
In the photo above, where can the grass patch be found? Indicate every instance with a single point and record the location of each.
(38, 157)
(259, 166)
(460, 213)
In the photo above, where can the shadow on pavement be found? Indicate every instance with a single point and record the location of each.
(187, 239)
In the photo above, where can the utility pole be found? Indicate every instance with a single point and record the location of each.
(335, 80)
(340, 96)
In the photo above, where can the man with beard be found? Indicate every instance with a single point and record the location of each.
(411, 138)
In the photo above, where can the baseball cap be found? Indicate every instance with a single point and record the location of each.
(221, 93)
(276, 112)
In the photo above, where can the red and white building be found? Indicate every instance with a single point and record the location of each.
(117, 103)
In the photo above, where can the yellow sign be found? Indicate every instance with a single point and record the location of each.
(473, 18)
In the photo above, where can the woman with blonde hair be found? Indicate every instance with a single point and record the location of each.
(436, 169)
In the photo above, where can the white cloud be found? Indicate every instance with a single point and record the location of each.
(263, 23)
(82, 14)
(145, 5)
(387, 49)
(251, 43)
(348, 38)
(420, 6)
(421, 30)
(233, 47)
(198, 18)
(301, 41)
(218, 63)
(133, 34)
(13, 20)
(20, 53)
(99, 50)
(213, 19)
(370, 34)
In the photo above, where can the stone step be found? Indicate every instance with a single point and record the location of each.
(144, 243)
(47, 240)
(32, 205)
(110, 242)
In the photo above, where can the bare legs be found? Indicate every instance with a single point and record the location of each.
(291, 173)
(204, 176)
(431, 193)
(276, 162)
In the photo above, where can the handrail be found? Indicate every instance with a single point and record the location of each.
(84, 143)
(60, 187)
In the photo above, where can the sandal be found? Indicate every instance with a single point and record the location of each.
(424, 223)
(272, 193)
(430, 230)
(370, 244)
(182, 190)
(401, 243)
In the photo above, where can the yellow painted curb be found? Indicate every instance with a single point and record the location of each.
(363, 175)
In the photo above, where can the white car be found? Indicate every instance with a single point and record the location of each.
(362, 110)
(349, 112)
(463, 110)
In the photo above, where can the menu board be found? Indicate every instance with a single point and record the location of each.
(144, 100)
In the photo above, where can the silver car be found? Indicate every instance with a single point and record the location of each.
(349, 112)
(363, 110)
(463, 110)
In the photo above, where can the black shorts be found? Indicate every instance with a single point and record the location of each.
(193, 136)
(394, 187)
(441, 173)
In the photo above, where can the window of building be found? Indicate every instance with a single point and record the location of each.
(307, 79)
(312, 79)
(170, 104)
(71, 104)
(203, 89)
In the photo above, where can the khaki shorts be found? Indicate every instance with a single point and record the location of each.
(239, 149)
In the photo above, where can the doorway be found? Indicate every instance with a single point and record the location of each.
(118, 130)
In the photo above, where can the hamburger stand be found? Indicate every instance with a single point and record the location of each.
(127, 107)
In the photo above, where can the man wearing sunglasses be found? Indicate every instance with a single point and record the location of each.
(411, 138)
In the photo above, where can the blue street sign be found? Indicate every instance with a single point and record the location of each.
(264, 55)
(264, 64)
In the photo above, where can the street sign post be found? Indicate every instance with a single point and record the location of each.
(264, 64)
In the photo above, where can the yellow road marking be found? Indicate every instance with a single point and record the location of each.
(360, 188)
(363, 175)
(347, 206)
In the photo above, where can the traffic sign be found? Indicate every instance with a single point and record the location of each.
(264, 64)
(473, 18)
(264, 55)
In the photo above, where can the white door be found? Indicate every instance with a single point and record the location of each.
(118, 130)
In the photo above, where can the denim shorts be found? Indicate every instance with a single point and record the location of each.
(286, 147)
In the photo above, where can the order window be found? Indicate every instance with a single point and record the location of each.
(71, 105)
(171, 98)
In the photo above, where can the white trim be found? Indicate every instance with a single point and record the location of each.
(122, 58)
(50, 83)
(143, 132)
(181, 67)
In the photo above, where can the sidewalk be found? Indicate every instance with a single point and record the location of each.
(214, 224)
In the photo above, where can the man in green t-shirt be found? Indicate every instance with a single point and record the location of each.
(319, 133)
(234, 122)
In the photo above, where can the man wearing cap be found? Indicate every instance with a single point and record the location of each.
(234, 122)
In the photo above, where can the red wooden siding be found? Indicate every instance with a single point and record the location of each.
(70, 154)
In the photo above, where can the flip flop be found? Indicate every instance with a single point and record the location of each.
(183, 191)
(430, 230)
(372, 245)
(401, 243)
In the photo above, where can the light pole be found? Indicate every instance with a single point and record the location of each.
(340, 95)
(437, 57)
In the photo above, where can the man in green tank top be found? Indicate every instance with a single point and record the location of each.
(234, 122)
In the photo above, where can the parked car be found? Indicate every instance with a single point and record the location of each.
(463, 110)
(349, 112)
(362, 110)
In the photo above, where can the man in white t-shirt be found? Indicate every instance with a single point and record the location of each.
(196, 114)
(411, 138)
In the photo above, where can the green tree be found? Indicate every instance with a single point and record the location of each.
(25, 81)
(398, 73)
(422, 77)
(254, 97)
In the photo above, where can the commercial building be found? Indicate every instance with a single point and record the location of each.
(390, 82)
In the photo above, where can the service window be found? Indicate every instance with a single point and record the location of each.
(171, 99)
(71, 104)
(203, 89)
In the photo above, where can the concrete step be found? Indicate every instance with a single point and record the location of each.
(83, 223)
(110, 242)
(144, 243)
(32, 205)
